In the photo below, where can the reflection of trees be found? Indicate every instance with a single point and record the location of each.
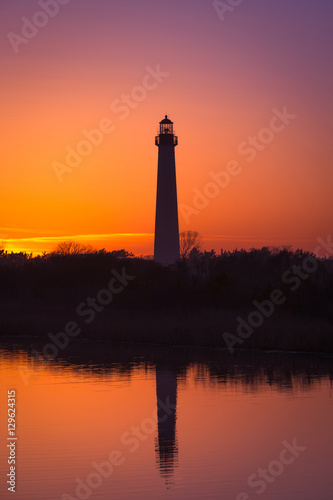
(249, 370)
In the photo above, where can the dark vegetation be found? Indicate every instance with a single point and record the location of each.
(193, 302)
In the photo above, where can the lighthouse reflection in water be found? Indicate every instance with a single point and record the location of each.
(166, 441)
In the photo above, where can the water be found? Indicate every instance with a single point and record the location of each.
(220, 419)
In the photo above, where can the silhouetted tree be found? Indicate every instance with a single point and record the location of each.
(231, 280)
(72, 248)
(188, 241)
(122, 254)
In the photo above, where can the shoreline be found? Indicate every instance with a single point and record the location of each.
(42, 339)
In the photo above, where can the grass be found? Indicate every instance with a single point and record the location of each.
(204, 327)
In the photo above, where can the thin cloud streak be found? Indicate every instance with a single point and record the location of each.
(38, 239)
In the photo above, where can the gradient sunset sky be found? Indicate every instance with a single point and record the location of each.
(221, 81)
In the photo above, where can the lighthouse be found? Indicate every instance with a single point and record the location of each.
(166, 246)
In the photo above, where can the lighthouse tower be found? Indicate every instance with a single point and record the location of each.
(166, 247)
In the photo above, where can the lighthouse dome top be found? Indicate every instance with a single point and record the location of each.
(166, 133)
(166, 121)
(166, 126)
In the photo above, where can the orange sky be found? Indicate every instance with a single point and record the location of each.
(222, 81)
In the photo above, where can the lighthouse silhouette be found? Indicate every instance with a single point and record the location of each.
(166, 246)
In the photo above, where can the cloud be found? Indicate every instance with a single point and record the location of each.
(39, 244)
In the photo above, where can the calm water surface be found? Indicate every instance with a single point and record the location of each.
(176, 424)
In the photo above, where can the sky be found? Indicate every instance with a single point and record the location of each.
(248, 88)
